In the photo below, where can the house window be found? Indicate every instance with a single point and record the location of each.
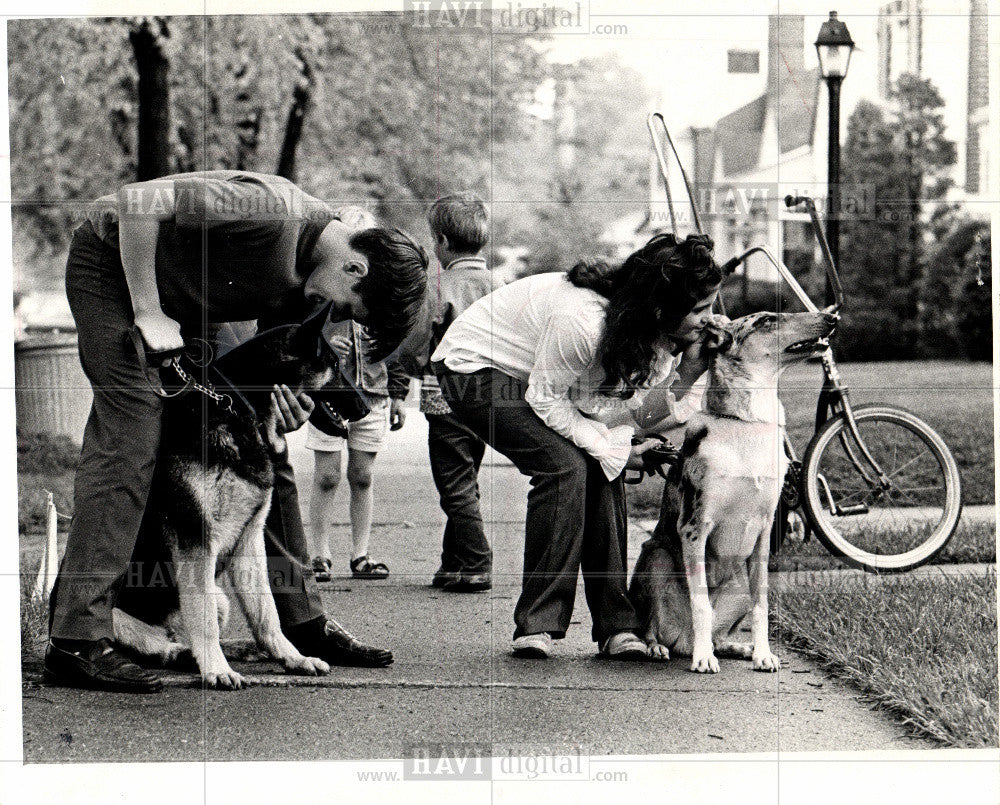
(744, 61)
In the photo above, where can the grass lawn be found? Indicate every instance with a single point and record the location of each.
(972, 542)
(923, 648)
(34, 620)
(44, 463)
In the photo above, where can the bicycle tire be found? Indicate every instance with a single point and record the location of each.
(934, 508)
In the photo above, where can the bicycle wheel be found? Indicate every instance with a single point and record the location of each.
(881, 529)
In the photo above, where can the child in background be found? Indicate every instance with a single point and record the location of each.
(460, 225)
(386, 388)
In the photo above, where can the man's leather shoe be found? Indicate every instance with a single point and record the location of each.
(326, 639)
(443, 577)
(100, 666)
(469, 583)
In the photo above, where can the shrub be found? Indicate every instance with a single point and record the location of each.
(45, 453)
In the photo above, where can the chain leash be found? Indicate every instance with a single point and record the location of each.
(223, 399)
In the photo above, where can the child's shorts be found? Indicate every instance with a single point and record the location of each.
(366, 434)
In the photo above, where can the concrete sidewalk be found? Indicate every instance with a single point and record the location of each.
(454, 679)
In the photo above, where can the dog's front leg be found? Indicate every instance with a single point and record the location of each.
(248, 574)
(694, 536)
(200, 616)
(763, 659)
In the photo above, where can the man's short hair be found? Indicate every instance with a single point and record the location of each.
(394, 288)
(463, 218)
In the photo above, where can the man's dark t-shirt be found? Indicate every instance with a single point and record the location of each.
(239, 247)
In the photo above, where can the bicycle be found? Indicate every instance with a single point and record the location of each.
(876, 484)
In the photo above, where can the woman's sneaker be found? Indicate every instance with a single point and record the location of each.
(624, 646)
(533, 646)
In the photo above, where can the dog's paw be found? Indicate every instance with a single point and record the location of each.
(766, 662)
(705, 664)
(309, 666)
(224, 680)
(657, 651)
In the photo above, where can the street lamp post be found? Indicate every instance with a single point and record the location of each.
(834, 47)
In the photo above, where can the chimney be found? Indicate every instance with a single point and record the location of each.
(785, 48)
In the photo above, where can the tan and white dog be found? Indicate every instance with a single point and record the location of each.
(705, 566)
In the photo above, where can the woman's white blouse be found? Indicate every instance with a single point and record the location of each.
(546, 331)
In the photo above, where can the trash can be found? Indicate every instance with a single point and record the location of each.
(51, 393)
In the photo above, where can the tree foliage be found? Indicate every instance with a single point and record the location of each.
(954, 298)
(395, 114)
(556, 205)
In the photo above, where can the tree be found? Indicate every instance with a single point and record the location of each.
(902, 154)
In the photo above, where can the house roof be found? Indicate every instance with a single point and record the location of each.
(796, 112)
(738, 135)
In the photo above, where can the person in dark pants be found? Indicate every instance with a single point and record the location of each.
(177, 257)
(556, 371)
(460, 225)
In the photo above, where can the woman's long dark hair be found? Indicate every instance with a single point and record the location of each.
(649, 295)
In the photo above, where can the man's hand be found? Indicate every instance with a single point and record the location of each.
(292, 412)
(160, 332)
(397, 414)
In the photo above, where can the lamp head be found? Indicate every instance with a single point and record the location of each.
(834, 47)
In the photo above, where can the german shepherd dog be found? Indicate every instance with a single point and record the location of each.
(210, 497)
(705, 566)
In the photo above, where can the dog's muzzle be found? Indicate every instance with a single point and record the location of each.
(821, 341)
(339, 401)
(336, 405)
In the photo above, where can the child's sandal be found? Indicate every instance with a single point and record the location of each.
(365, 568)
(322, 569)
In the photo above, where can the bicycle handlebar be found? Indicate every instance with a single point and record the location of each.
(824, 246)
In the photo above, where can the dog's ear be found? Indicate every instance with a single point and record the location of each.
(718, 338)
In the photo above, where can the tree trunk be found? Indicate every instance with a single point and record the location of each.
(250, 116)
(146, 38)
(301, 97)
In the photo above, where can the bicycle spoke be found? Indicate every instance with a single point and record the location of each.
(908, 463)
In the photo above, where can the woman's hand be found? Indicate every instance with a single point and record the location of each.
(697, 354)
(160, 332)
(635, 454)
(291, 412)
